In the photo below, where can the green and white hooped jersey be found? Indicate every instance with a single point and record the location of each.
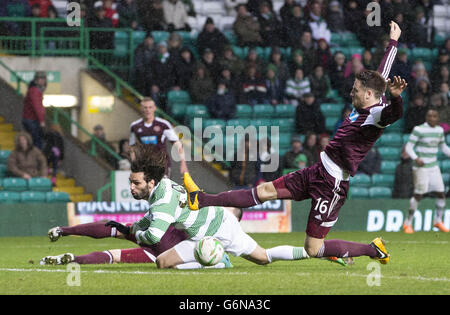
(426, 141)
(168, 205)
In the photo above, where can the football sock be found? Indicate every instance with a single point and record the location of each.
(286, 253)
(341, 249)
(94, 230)
(94, 258)
(242, 198)
(440, 206)
(413, 204)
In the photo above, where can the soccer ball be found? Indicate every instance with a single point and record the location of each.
(209, 251)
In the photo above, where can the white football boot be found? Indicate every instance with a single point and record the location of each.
(54, 234)
(63, 259)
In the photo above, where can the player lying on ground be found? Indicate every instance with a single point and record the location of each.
(423, 146)
(326, 183)
(99, 230)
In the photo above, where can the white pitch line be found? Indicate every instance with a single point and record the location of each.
(417, 278)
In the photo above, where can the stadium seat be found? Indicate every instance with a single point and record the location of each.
(229, 34)
(55, 196)
(15, 184)
(284, 140)
(380, 192)
(9, 197)
(240, 52)
(390, 153)
(216, 123)
(261, 122)
(331, 109)
(39, 184)
(180, 97)
(263, 111)
(33, 196)
(138, 37)
(178, 110)
(160, 36)
(396, 127)
(244, 111)
(445, 166)
(425, 54)
(359, 193)
(388, 167)
(383, 180)
(3, 170)
(360, 180)
(196, 111)
(390, 139)
(284, 124)
(330, 123)
(285, 111)
(243, 122)
(4, 154)
(121, 42)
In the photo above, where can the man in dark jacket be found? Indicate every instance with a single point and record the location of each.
(309, 116)
(223, 104)
(163, 70)
(33, 117)
(403, 183)
(210, 37)
(143, 56)
(101, 39)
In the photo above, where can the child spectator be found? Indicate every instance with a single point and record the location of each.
(54, 149)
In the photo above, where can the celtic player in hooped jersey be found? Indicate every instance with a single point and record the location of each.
(168, 205)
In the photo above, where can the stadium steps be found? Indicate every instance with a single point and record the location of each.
(7, 135)
(67, 185)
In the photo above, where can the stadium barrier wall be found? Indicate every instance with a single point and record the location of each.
(373, 215)
(31, 219)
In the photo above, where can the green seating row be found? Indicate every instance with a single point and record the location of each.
(372, 193)
(33, 196)
(38, 184)
(377, 180)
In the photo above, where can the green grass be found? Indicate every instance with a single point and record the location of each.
(420, 264)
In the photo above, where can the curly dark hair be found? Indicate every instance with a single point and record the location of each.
(150, 160)
(372, 80)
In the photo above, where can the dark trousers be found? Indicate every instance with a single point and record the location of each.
(34, 129)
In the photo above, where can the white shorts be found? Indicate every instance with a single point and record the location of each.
(235, 241)
(427, 180)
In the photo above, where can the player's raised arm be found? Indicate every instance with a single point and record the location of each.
(391, 51)
(394, 112)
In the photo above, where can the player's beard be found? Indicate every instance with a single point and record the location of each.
(140, 195)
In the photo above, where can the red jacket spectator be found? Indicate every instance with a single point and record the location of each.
(33, 107)
(44, 4)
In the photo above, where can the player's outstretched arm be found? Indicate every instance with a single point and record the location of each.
(391, 51)
(393, 112)
(397, 86)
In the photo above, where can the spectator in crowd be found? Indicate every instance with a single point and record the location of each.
(371, 163)
(211, 64)
(441, 106)
(174, 45)
(353, 15)
(403, 182)
(289, 159)
(324, 57)
(416, 112)
(201, 86)
(143, 57)
(367, 60)
(231, 61)
(442, 60)
(282, 69)
(100, 151)
(335, 17)
(324, 140)
(26, 161)
(110, 11)
(163, 70)
(297, 87)
(418, 32)
(223, 104)
(247, 28)
(286, 11)
(253, 90)
(274, 86)
(310, 147)
(380, 49)
(190, 7)
(254, 5)
(175, 15)
(124, 152)
(399, 18)
(151, 15)
(43, 5)
(101, 39)
(355, 66)
(423, 87)
(368, 35)
(34, 13)
(33, 117)
(13, 8)
(319, 27)
(254, 60)
(320, 84)
(210, 37)
(54, 149)
(232, 5)
(270, 27)
(439, 77)
(336, 71)
(227, 77)
(185, 66)
(346, 111)
(444, 91)
(128, 14)
(294, 26)
(308, 116)
(306, 44)
(244, 169)
(296, 62)
(402, 66)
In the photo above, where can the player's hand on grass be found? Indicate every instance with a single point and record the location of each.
(395, 31)
(125, 230)
(397, 86)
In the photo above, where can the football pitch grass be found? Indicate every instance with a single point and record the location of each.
(420, 264)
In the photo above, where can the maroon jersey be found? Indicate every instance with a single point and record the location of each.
(155, 133)
(362, 128)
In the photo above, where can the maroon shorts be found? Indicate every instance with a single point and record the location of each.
(327, 196)
(148, 253)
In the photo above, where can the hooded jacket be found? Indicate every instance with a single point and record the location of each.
(31, 161)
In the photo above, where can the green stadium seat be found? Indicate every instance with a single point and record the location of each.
(57, 196)
(391, 139)
(331, 109)
(260, 122)
(243, 122)
(186, 37)
(360, 180)
(388, 167)
(9, 197)
(263, 111)
(232, 141)
(354, 48)
(284, 124)
(159, 36)
(390, 153)
(121, 43)
(39, 184)
(396, 127)
(197, 110)
(178, 110)
(335, 38)
(330, 123)
(181, 97)
(380, 192)
(232, 39)
(244, 111)
(15, 184)
(3, 170)
(383, 180)
(33, 196)
(359, 193)
(284, 140)
(445, 166)
(216, 123)
(4, 154)
(425, 54)
(240, 52)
